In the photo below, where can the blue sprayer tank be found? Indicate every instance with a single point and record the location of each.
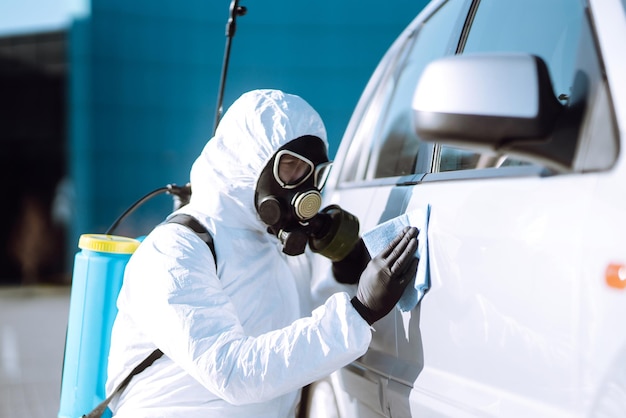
(96, 281)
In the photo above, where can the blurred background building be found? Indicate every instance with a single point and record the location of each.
(103, 101)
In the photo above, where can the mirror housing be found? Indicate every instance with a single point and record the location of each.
(499, 101)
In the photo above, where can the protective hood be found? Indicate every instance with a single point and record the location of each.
(224, 176)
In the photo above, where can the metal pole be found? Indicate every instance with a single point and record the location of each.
(231, 27)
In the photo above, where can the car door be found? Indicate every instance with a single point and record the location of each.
(500, 331)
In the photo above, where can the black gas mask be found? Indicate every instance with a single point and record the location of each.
(288, 200)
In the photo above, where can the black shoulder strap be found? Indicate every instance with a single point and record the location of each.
(193, 224)
(99, 410)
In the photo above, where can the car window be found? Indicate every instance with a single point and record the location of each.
(549, 29)
(397, 151)
(385, 143)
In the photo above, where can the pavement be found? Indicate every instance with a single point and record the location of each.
(33, 323)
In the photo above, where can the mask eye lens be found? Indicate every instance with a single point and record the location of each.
(291, 170)
(321, 174)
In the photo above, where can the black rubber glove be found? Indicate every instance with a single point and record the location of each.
(386, 276)
(348, 270)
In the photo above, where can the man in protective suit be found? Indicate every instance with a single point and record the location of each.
(236, 330)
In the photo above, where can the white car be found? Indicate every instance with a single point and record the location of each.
(508, 118)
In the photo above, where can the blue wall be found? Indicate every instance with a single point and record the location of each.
(144, 81)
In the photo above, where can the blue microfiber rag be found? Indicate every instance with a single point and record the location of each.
(379, 238)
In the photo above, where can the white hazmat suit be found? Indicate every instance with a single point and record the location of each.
(239, 339)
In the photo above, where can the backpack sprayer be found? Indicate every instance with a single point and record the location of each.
(96, 281)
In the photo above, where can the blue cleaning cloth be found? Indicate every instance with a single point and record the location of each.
(379, 238)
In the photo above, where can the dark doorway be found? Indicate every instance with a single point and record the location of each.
(33, 79)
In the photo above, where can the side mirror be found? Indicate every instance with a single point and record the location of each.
(501, 102)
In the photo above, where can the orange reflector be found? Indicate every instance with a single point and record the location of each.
(616, 276)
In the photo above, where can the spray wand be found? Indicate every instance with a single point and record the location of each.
(231, 27)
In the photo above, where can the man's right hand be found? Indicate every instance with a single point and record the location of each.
(386, 276)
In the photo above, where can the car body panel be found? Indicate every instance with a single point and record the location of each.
(524, 315)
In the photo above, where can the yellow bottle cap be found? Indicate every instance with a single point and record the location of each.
(108, 243)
